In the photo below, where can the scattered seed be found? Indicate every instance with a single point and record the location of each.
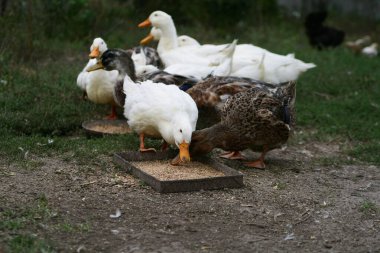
(163, 170)
(110, 129)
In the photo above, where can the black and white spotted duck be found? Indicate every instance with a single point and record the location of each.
(150, 72)
(116, 59)
(260, 119)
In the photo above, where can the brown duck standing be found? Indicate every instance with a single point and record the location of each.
(259, 119)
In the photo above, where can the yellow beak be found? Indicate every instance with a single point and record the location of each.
(184, 154)
(145, 23)
(98, 65)
(147, 39)
(95, 53)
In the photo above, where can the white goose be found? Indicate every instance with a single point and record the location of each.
(222, 64)
(255, 62)
(246, 60)
(99, 85)
(167, 46)
(154, 109)
(371, 50)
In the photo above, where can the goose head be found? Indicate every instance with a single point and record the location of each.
(182, 131)
(97, 48)
(116, 59)
(155, 34)
(185, 40)
(158, 19)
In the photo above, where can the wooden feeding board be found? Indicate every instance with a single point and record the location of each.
(200, 174)
(101, 127)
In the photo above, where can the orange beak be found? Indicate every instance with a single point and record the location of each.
(184, 154)
(145, 23)
(147, 39)
(95, 53)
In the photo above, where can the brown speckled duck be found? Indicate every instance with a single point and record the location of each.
(260, 119)
(213, 91)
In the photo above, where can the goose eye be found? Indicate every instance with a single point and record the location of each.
(180, 130)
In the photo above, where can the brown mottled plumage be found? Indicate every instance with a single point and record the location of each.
(260, 119)
(213, 91)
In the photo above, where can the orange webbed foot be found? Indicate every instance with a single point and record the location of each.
(232, 155)
(164, 145)
(147, 150)
(258, 164)
(111, 117)
(113, 114)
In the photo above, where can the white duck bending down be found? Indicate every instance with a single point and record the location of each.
(155, 109)
(167, 46)
(98, 86)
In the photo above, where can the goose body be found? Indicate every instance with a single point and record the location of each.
(221, 65)
(98, 86)
(371, 50)
(259, 119)
(273, 68)
(246, 61)
(155, 109)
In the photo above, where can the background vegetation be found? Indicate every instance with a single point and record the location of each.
(44, 45)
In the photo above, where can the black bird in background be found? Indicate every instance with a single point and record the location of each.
(321, 36)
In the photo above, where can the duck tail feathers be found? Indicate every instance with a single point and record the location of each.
(306, 66)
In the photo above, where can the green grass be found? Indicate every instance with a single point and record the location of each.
(17, 221)
(368, 207)
(28, 244)
(40, 100)
(69, 227)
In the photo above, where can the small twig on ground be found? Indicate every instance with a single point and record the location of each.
(88, 183)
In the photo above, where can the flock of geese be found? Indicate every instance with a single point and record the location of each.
(161, 90)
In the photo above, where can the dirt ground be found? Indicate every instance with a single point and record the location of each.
(302, 202)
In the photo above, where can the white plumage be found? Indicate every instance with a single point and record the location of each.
(98, 85)
(160, 110)
(247, 61)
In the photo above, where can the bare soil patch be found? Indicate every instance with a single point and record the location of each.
(303, 202)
